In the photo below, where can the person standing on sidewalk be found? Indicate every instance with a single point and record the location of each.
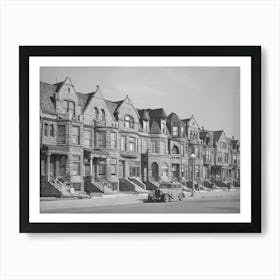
(228, 185)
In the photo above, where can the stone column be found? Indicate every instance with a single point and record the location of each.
(90, 165)
(48, 166)
(108, 169)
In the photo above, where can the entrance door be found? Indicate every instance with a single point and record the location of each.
(175, 171)
(154, 171)
(52, 166)
(121, 169)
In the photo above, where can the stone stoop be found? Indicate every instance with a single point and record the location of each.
(127, 185)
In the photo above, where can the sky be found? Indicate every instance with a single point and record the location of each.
(211, 94)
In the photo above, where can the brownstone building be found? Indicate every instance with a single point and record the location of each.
(88, 142)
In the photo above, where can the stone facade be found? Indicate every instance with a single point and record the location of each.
(85, 138)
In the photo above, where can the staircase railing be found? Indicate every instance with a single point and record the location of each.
(137, 182)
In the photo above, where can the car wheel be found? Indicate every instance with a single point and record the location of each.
(166, 198)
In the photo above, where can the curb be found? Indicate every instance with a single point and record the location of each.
(119, 195)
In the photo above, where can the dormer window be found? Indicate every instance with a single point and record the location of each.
(175, 130)
(182, 131)
(163, 127)
(146, 126)
(128, 122)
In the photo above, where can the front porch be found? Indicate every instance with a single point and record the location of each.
(100, 172)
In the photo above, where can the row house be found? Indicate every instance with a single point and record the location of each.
(86, 139)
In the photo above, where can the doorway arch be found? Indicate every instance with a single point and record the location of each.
(154, 171)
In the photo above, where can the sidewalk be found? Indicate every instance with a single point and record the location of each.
(123, 199)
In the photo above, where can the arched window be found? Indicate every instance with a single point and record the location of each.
(175, 150)
(46, 129)
(96, 113)
(102, 114)
(52, 130)
(128, 121)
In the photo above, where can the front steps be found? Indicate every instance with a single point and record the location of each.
(128, 185)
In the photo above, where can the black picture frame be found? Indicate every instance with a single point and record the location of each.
(25, 52)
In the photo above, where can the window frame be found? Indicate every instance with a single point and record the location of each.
(74, 136)
(61, 136)
(128, 121)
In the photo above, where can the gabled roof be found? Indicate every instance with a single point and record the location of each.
(47, 98)
(217, 135)
(155, 129)
(112, 106)
(173, 118)
(119, 104)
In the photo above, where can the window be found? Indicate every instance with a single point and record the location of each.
(175, 150)
(96, 113)
(102, 168)
(46, 129)
(223, 145)
(182, 131)
(128, 121)
(69, 106)
(208, 155)
(113, 166)
(163, 127)
(76, 165)
(87, 135)
(61, 134)
(103, 115)
(101, 139)
(52, 130)
(153, 146)
(68, 89)
(132, 144)
(175, 130)
(226, 157)
(146, 126)
(122, 143)
(75, 134)
(219, 157)
(113, 140)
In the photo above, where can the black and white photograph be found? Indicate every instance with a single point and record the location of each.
(140, 140)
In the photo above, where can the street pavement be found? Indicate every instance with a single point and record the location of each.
(211, 202)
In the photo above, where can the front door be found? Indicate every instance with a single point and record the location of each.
(121, 169)
(52, 166)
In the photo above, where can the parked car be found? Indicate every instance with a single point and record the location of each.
(167, 192)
